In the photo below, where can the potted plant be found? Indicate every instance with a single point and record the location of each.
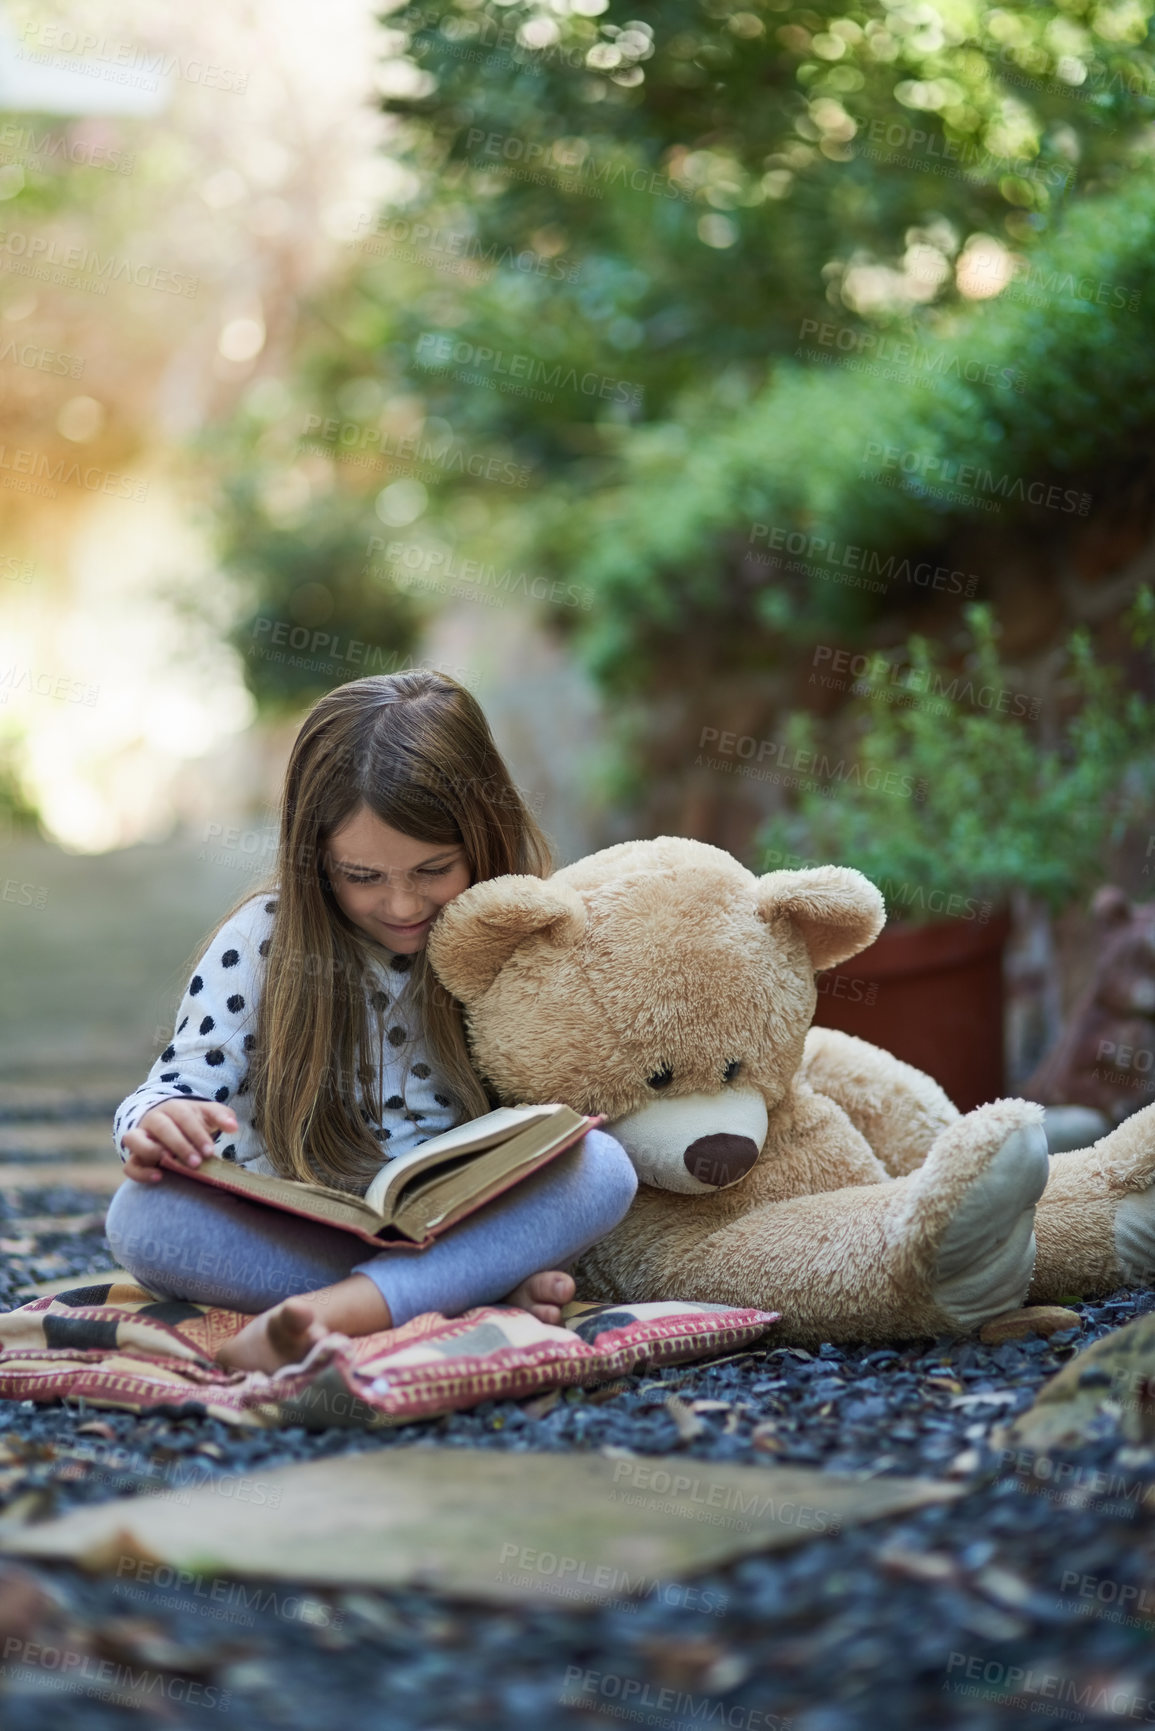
(952, 804)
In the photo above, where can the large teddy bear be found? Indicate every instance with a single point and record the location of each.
(781, 1166)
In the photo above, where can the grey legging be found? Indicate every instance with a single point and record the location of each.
(183, 1240)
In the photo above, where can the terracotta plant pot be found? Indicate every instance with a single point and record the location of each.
(930, 994)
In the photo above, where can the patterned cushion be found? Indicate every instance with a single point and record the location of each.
(117, 1345)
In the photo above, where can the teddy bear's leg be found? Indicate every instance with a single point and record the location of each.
(938, 1252)
(899, 1109)
(1096, 1222)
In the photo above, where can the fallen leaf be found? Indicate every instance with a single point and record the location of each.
(140, 1641)
(1105, 1391)
(690, 1426)
(516, 1528)
(111, 1549)
(991, 1624)
(606, 1391)
(70, 1469)
(964, 1464)
(23, 1602)
(918, 1565)
(542, 1404)
(1003, 1587)
(694, 1664)
(376, 1612)
(32, 1506)
(1038, 1319)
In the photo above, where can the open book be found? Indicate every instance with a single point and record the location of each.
(420, 1195)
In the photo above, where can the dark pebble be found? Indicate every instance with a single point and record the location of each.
(830, 1636)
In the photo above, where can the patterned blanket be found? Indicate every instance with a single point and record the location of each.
(117, 1345)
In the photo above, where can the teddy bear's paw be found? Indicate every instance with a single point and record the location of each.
(1135, 1237)
(987, 1253)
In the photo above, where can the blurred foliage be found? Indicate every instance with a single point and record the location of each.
(312, 615)
(609, 253)
(675, 540)
(715, 179)
(18, 811)
(950, 792)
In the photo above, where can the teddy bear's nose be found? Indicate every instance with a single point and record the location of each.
(720, 1159)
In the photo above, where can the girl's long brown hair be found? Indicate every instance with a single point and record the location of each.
(415, 748)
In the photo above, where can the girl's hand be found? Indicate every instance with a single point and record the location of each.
(183, 1128)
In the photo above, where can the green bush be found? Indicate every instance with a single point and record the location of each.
(950, 790)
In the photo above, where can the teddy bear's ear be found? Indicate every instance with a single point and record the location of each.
(837, 909)
(478, 931)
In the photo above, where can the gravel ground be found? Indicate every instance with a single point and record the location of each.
(1021, 1603)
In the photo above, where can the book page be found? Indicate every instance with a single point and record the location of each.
(480, 1133)
(435, 1198)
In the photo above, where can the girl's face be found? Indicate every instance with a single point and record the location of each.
(390, 886)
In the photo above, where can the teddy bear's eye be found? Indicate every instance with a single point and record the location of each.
(732, 1069)
(660, 1078)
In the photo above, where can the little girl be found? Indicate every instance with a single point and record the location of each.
(314, 1041)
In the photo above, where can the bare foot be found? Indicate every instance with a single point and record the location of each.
(279, 1336)
(544, 1294)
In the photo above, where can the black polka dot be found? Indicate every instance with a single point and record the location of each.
(169, 1075)
(195, 985)
(270, 907)
(229, 1153)
(384, 1135)
(366, 1115)
(183, 1088)
(168, 1055)
(243, 1086)
(263, 948)
(380, 1000)
(415, 1117)
(206, 1026)
(442, 1099)
(422, 1070)
(397, 1036)
(249, 1042)
(216, 1056)
(221, 1094)
(401, 964)
(183, 1026)
(236, 1003)
(230, 958)
(394, 1103)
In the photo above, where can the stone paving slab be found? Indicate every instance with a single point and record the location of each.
(91, 1140)
(102, 1179)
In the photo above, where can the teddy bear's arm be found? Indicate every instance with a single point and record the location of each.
(899, 1110)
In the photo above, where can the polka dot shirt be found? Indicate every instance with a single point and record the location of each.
(208, 1056)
